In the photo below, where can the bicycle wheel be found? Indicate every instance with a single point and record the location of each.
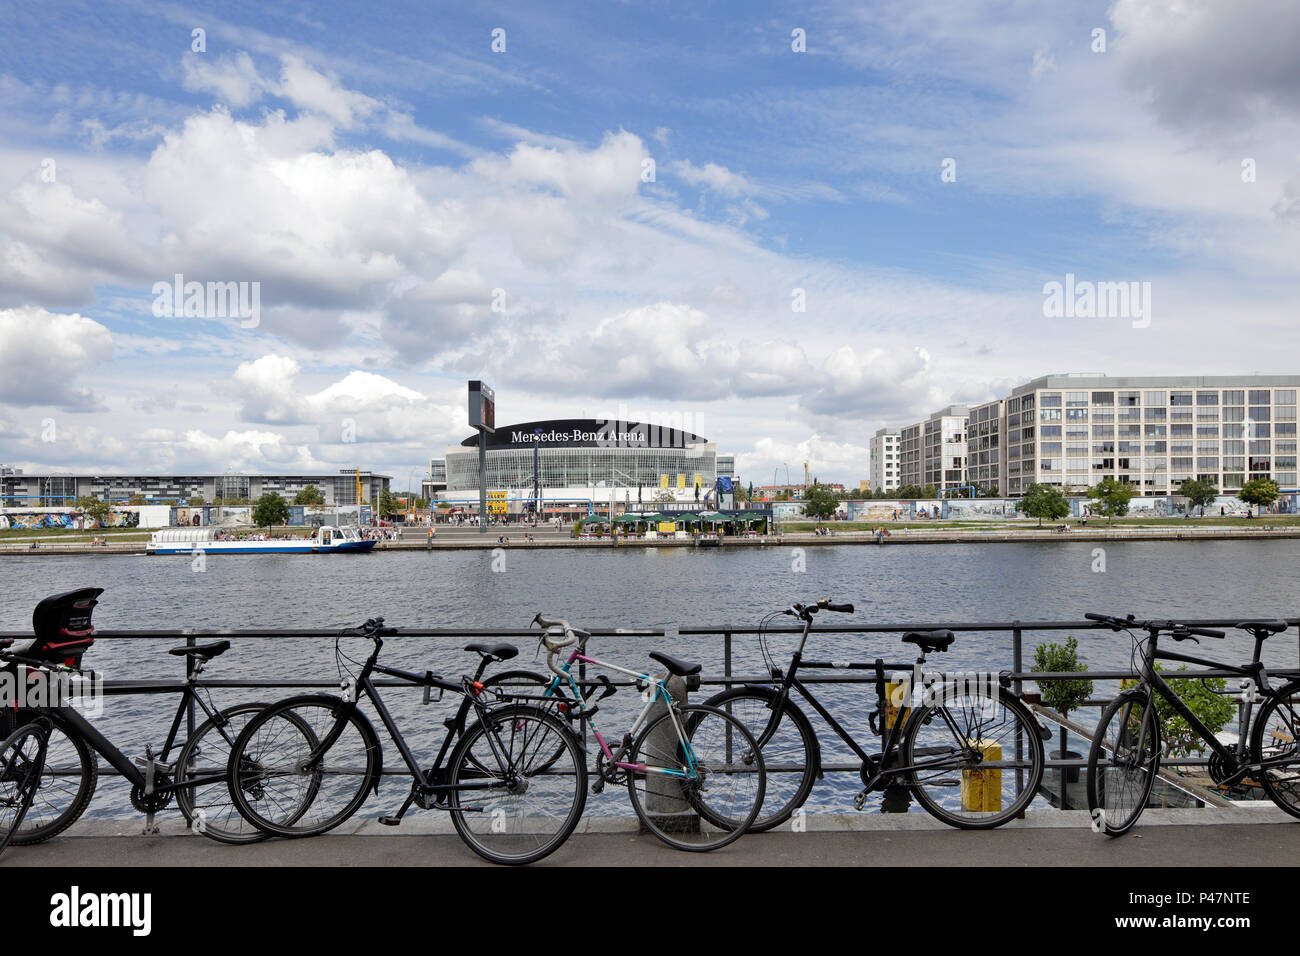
(1275, 737)
(526, 810)
(273, 788)
(1122, 763)
(701, 794)
(791, 753)
(22, 755)
(976, 753)
(203, 790)
(68, 781)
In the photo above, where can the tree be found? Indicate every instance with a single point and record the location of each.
(311, 497)
(196, 502)
(819, 502)
(421, 504)
(1062, 696)
(1259, 491)
(910, 493)
(136, 500)
(1043, 501)
(1206, 699)
(1199, 493)
(94, 508)
(270, 509)
(930, 491)
(1111, 497)
(388, 504)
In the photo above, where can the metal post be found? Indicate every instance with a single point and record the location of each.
(1016, 665)
(663, 793)
(482, 481)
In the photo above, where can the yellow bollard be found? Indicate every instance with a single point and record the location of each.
(894, 691)
(981, 790)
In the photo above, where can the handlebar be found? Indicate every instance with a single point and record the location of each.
(1179, 632)
(805, 611)
(557, 634)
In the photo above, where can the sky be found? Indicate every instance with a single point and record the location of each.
(782, 226)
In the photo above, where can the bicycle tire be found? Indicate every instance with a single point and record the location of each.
(55, 807)
(932, 726)
(1282, 785)
(22, 757)
(512, 720)
(659, 746)
(200, 813)
(1147, 738)
(248, 774)
(791, 755)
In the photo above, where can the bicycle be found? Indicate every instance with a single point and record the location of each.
(70, 775)
(505, 804)
(694, 774)
(968, 748)
(22, 756)
(1119, 785)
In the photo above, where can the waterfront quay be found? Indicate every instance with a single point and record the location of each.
(521, 537)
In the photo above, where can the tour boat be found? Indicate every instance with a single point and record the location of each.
(326, 539)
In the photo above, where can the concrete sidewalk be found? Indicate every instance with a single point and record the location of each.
(1254, 837)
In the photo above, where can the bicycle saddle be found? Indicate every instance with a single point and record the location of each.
(930, 640)
(1263, 629)
(205, 651)
(497, 652)
(676, 666)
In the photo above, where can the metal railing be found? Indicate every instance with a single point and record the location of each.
(1015, 673)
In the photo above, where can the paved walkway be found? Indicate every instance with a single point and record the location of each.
(1254, 838)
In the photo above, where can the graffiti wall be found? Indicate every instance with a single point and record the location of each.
(52, 519)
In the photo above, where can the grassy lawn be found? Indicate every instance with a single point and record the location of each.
(73, 535)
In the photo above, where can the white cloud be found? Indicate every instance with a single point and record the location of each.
(234, 79)
(42, 354)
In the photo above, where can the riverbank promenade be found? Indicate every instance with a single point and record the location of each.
(1258, 836)
(520, 538)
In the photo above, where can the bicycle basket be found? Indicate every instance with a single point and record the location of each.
(63, 628)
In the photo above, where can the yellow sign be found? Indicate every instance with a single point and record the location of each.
(663, 482)
(496, 502)
(667, 527)
(681, 482)
(699, 480)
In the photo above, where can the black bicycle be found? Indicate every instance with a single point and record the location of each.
(1124, 758)
(968, 749)
(22, 755)
(514, 784)
(192, 770)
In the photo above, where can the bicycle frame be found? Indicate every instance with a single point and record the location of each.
(1152, 682)
(883, 769)
(660, 686)
(425, 783)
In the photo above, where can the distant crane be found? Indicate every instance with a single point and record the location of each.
(806, 482)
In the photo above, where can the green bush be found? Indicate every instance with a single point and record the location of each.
(1205, 699)
(1062, 696)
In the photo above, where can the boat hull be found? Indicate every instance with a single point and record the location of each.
(263, 547)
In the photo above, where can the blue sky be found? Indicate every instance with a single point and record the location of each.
(381, 173)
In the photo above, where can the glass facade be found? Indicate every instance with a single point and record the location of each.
(583, 467)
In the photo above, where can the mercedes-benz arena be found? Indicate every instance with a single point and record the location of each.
(577, 460)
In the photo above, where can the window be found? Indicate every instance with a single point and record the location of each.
(1076, 399)
(1153, 398)
(1103, 398)
(1155, 414)
(1207, 398)
(1129, 399)
(1180, 398)
(1234, 398)
(1260, 396)
(1050, 400)
(1049, 415)
(1260, 413)
(1284, 396)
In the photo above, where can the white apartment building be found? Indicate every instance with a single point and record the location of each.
(885, 459)
(933, 451)
(1070, 431)
(986, 459)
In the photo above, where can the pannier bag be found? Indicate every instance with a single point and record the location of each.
(62, 626)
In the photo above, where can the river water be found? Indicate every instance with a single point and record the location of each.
(647, 588)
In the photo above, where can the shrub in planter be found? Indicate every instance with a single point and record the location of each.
(1062, 696)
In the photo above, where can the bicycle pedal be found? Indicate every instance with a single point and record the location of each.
(391, 821)
(860, 800)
